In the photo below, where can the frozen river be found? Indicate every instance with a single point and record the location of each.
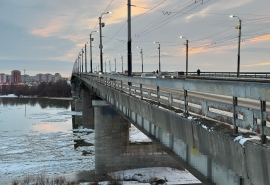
(36, 136)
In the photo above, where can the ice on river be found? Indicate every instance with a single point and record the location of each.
(52, 153)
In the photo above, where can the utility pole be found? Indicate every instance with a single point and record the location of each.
(115, 64)
(122, 64)
(100, 44)
(159, 58)
(186, 58)
(239, 27)
(85, 58)
(142, 59)
(239, 41)
(129, 39)
(82, 60)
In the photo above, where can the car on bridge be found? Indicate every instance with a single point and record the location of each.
(178, 74)
(148, 75)
(164, 74)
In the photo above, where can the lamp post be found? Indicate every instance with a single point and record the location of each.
(82, 60)
(239, 41)
(141, 56)
(105, 65)
(100, 37)
(114, 64)
(186, 54)
(159, 68)
(79, 63)
(91, 39)
(122, 62)
(85, 58)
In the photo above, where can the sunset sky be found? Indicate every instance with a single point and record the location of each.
(47, 36)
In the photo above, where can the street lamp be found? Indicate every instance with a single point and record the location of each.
(100, 37)
(122, 62)
(141, 57)
(85, 58)
(239, 41)
(181, 37)
(82, 60)
(114, 64)
(159, 68)
(91, 39)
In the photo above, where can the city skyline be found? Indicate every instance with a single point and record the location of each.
(48, 36)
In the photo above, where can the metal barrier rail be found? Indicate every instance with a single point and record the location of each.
(246, 117)
(233, 74)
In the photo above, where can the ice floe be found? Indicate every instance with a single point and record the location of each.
(70, 113)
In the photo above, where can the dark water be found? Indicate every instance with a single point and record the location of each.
(24, 115)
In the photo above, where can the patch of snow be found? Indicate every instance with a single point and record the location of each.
(190, 117)
(39, 116)
(205, 127)
(8, 96)
(173, 176)
(54, 120)
(135, 135)
(73, 113)
(242, 139)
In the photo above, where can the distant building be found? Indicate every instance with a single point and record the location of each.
(43, 77)
(15, 76)
(25, 78)
(57, 77)
(3, 78)
(8, 78)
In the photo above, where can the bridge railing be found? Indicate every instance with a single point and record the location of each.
(241, 104)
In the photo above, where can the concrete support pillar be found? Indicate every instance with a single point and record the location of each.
(78, 108)
(87, 109)
(75, 91)
(111, 138)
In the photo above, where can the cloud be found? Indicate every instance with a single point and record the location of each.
(51, 29)
(260, 38)
(257, 64)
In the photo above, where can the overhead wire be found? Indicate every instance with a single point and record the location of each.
(165, 19)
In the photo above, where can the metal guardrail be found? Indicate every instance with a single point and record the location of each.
(233, 74)
(253, 118)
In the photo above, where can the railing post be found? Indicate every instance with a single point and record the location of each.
(170, 99)
(235, 116)
(141, 93)
(129, 89)
(158, 96)
(186, 103)
(263, 122)
(149, 94)
(121, 85)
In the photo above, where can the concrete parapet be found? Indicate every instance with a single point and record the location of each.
(213, 140)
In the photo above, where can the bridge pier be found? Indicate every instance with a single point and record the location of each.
(114, 152)
(111, 137)
(87, 108)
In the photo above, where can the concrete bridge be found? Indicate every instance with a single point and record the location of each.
(217, 129)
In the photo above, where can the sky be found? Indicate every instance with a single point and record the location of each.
(47, 36)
